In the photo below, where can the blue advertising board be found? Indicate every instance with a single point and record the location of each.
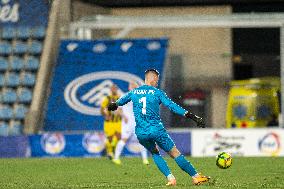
(85, 71)
(91, 144)
(14, 146)
(23, 12)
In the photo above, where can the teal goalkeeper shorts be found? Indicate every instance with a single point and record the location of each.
(161, 138)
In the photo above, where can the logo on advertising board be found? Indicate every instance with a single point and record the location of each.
(53, 143)
(85, 93)
(94, 142)
(220, 142)
(270, 144)
(133, 145)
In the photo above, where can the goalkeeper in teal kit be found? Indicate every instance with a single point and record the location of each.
(149, 127)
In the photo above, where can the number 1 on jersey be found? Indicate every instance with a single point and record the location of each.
(143, 101)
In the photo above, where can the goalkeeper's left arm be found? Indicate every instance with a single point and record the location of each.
(120, 102)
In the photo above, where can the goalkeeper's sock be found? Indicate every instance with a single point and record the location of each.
(161, 164)
(185, 165)
(144, 154)
(118, 149)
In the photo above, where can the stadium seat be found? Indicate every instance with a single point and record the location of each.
(23, 32)
(9, 96)
(38, 32)
(8, 33)
(16, 64)
(6, 112)
(2, 80)
(24, 95)
(32, 63)
(20, 47)
(35, 47)
(4, 129)
(5, 48)
(15, 128)
(27, 79)
(3, 64)
(20, 111)
(12, 79)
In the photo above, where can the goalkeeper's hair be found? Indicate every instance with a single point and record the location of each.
(152, 71)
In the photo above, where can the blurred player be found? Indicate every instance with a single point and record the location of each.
(128, 130)
(149, 127)
(112, 122)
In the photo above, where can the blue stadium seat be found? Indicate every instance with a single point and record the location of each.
(9, 96)
(16, 128)
(38, 32)
(5, 48)
(32, 63)
(16, 63)
(20, 111)
(8, 33)
(3, 64)
(24, 95)
(27, 79)
(2, 80)
(6, 112)
(35, 47)
(4, 129)
(23, 32)
(12, 79)
(20, 47)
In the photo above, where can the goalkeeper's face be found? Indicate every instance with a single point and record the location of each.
(152, 79)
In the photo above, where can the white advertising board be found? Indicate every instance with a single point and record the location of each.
(238, 142)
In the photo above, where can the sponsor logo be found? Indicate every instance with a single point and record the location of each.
(84, 94)
(52, 143)
(133, 145)
(154, 45)
(94, 142)
(99, 48)
(270, 144)
(219, 142)
(9, 12)
(125, 46)
(72, 46)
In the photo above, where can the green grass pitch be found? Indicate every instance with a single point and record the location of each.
(101, 173)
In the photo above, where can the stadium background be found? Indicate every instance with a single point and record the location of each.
(36, 68)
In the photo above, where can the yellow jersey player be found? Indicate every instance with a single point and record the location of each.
(112, 121)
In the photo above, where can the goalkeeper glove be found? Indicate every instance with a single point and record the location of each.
(197, 119)
(112, 106)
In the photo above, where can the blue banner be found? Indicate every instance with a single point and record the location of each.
(14, 146)
(92, 144)
(23, 12)
(86, 70)
(80, 145)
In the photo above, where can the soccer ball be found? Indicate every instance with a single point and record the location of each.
(224, 160)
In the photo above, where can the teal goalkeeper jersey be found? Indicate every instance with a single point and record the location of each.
(146, 107)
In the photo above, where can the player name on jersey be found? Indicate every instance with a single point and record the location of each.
(144, 91)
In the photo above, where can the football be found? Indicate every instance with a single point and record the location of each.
(224, 160)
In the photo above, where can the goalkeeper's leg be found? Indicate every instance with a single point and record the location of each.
(158, 159)
(166, 143)
(187, 167)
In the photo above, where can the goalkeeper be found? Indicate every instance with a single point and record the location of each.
(149, 127)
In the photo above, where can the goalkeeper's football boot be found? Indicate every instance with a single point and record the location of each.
(172, 182)
(200, 179)
(116, 161)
